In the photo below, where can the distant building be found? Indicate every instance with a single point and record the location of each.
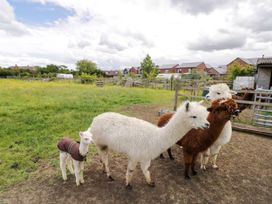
(192, 66)
(243, 62)
(23, 67)
(168, 68)
(65, 76)
(111, 73)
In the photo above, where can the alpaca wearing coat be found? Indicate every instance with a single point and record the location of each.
(142, 141)
(74, 154)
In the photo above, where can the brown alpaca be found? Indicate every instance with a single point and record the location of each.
(199, 140)
(246, 97)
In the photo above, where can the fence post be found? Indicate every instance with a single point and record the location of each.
(176, 96)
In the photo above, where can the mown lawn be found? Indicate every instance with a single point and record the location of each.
(34, 115)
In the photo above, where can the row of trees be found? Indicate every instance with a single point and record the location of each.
(85, 68)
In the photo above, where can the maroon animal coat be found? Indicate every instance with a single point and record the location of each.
(72, 147)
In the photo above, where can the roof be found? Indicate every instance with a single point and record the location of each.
(208, 66)
(168, 66)
(264, 60)
(221, 69)
(190, 64)
(252, 61)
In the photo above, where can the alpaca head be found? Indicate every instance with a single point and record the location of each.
(218, 91)
(223, 109)
(86, 137)
(195, 114)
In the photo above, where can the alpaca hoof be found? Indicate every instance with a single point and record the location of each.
(194, 173)
(128, 187)
(77, 184)
(171, 158)
(161, 156)
(82, 181)
(110, 178)
(151, 184)
(203, 167)
(187, 177)
(215, 166)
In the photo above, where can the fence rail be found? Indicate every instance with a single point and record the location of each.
(259, 120)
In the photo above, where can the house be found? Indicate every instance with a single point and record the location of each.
(212, 72)
(23, 67)
(168, 68)
(264, 73)
(221, 71)
(190, 66)
(111, 73)
(135, 70)
(243, 62)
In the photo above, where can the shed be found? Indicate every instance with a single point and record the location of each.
(264, 73)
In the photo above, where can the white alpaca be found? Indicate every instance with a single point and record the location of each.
(216, 92)
(142, 141)
(74, 154)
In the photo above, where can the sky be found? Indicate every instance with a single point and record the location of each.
(120, 33)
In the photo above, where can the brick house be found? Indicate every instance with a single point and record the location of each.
(168, 68)
(190, 66)
(243, 62)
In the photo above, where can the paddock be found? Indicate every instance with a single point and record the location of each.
(245, 176)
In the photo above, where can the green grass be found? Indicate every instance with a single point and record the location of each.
(34, 115)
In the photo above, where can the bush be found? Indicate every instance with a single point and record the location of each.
(87, 79)
(238, 70)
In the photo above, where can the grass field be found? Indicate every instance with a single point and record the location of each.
(34, 115)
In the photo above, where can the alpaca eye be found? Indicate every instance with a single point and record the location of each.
(218, 93)
(193, 116)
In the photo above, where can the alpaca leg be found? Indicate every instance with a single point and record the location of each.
(188, 158)
(161, 156)
(70, 164)
(204, 158)
(77, 171)
(145, 166)
(105, 159)
(215, 152)
(130, 169)
(63, 157)
(170, 154)
(194, 172)
(81, 171)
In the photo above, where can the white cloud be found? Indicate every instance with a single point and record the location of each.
(120, 33)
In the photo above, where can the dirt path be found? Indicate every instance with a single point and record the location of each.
(245, 176)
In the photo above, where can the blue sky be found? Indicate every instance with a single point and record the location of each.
(35, 13)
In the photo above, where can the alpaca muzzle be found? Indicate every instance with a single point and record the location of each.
(206, 125)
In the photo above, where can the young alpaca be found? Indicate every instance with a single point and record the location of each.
(142, 141)
(75, 153)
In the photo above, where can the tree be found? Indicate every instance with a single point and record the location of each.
(86, 66)
(148, 68)
(238, 70)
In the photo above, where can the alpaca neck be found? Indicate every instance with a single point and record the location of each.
(216, 127)
(83, 148)
(173, 131)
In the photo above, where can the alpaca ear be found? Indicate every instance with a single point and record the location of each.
(233, 92)
(201, 102)
(81, 134)
(209, 109)
(187, 106)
